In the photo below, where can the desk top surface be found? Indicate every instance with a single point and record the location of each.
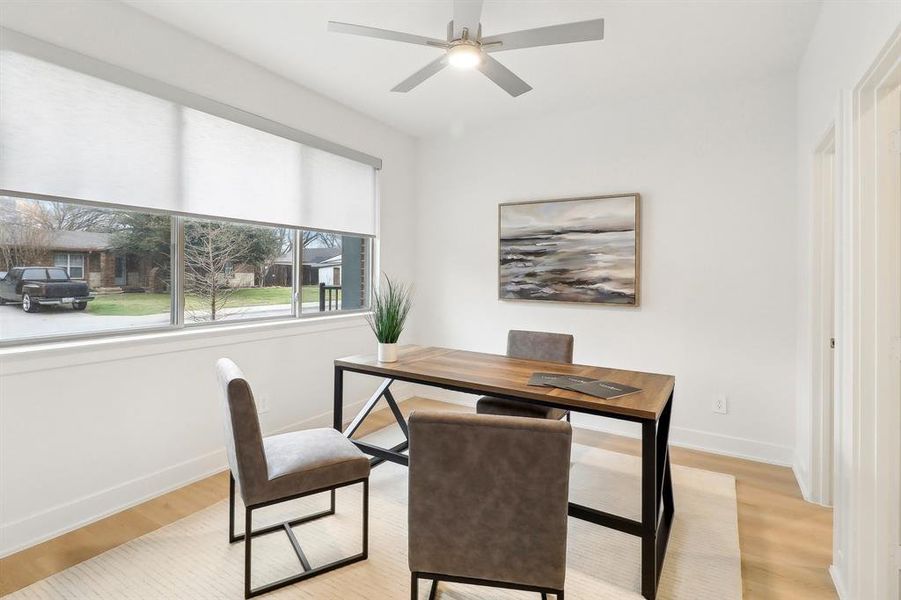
(488, 374)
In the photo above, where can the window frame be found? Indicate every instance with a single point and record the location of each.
(68, 265)
(368, 272)
(177, 283)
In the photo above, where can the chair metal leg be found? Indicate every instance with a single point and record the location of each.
(248, 541)
(365, 517)
(308, 570)
(231, 508)
(414, 587)
(232, 537)
(433, 593)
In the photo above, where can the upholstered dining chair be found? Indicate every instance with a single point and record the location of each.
(277, 468)
(488, 501)
(532, 345)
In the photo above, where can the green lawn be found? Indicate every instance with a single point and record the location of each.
(153, 304)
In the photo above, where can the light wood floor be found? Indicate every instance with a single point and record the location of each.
(786, 543)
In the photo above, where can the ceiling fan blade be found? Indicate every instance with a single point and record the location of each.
(582, 31)
(467, 13)
(421, 75)
(503, 76)
(385, 34)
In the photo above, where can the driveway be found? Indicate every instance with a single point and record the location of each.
(15, 323)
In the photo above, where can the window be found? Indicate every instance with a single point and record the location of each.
(236, 271)
(61, 240)
(335, 272)
(34, 274)
(123, 259)
(206, 213)
(72, 263)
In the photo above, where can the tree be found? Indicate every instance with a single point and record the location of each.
(211, 252)
(61, 216)
(281, 243)
(22, 242)
(264, 246)
(144, 235)
(22, 245)
(320, 239)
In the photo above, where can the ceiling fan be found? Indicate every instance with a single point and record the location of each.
(465, 48)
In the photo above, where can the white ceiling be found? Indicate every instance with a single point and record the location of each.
(649, 45)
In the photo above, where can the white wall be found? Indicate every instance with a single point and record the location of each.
(845, 42)
(88, 430)
(715, 166)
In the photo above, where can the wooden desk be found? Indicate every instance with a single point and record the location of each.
(503, 377)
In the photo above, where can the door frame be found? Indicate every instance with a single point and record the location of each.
(824, 308)
(124, 277)
(875, 449)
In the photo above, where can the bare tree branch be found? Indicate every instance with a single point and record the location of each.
(22, 245)
(211, 252)
(322, 239)
(61, 216)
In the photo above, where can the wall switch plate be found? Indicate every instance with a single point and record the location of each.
(720, 405)
(262, 404)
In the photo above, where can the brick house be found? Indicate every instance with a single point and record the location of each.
(88, 256)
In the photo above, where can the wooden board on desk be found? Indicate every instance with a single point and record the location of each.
(493, 374)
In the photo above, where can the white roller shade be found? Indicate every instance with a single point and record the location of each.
(68, 134)
(239, 172)
(338, 193)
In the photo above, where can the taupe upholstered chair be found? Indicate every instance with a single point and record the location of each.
(533, 345)
(488, 501)
(277, 468)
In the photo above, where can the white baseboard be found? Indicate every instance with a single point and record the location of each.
(802, 478)
(60, 519)
(63, 518)
(682, 437)
(839, 583)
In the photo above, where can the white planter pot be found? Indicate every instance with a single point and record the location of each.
(387, 352)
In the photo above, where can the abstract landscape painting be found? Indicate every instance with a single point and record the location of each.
(579, 250)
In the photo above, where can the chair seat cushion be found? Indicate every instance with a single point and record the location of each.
(489, 405)
(301, 461)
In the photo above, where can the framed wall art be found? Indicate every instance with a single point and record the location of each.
(571, 250)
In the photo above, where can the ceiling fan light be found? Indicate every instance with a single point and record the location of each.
(464, 56)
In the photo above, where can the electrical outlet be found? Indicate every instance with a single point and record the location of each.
(262, 404)
(720, 405)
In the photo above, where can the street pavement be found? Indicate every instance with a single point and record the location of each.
(15, 323)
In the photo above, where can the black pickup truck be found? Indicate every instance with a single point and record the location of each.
(43, 286)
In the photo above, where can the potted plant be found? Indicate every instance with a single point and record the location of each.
(390, 308)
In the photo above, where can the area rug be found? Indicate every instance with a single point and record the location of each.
(191, 558)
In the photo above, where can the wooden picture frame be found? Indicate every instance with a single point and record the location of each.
(584, 250)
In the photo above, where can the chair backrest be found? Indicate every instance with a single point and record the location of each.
(538, 345)
(243, 438)
(489, 497)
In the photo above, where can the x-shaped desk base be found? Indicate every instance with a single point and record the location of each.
(380, 455)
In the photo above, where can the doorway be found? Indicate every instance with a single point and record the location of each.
(823, 315)
(121, 272)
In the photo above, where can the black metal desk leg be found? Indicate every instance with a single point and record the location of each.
(666, 486)
(338, 408)
(649, 509)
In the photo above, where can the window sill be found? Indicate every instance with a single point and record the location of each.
(111, 347)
